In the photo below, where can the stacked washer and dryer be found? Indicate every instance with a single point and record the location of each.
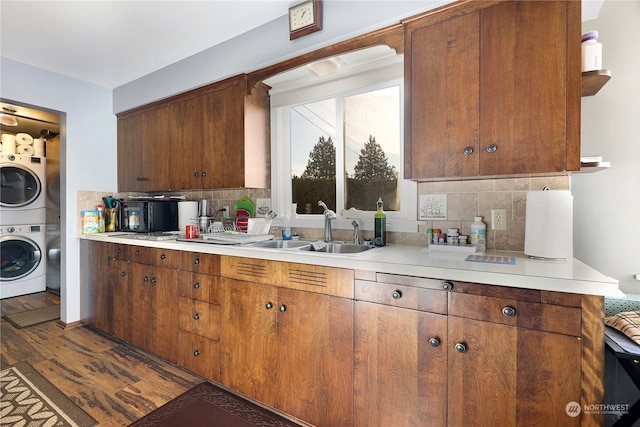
(22, 220)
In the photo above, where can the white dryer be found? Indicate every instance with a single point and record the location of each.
(23, 189)
(23, 260)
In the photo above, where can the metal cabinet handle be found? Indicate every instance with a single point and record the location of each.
(268, 306)
(195, 174)
(204, 174)
(146, 278)
(461, 347)
(163, 256)
(434, 342)
(196, 285)
(196, 353)
(119, 250)
(109, 258)
(396, 294)
(468, 150)
(196, 316)
(196, 261)
(137, 253)
(123, 273)
(282, 308)
(509, 311)
(154, 280)
(491, 148)
(447, 286)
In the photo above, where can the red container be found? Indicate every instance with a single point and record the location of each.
(192, 231)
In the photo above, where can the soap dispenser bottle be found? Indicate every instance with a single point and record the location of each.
(380, 219)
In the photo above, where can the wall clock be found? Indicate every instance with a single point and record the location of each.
(305, 18)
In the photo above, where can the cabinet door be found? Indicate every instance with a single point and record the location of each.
(200, 355)
(157, 149)
(130, 172)
(140, 331)
(443, 91)
(223, 145)
(511, 376)
(524, 91)
(315, 357)
(121, 301)
(400, 369)
(186, 131)
(482, 375)
(102, 277)
(163, 312)
(248, 339)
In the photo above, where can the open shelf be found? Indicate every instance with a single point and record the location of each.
(592, 81)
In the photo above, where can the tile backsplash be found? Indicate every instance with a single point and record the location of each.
(465, 199)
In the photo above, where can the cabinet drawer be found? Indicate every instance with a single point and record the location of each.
(543, 317)
(165, 257)
(139, 254)
(201, 287)
(305, 277)
(200, 355)
(200, 263)
(430, 300)
(200, 318)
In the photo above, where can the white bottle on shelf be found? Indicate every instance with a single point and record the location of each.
(591, 52)
(479, 234)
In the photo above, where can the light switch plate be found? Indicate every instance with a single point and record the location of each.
(499, 219)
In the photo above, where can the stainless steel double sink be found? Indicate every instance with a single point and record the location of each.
(302, 245)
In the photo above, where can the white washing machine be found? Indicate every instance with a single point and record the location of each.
(23, 259)
(23, 189)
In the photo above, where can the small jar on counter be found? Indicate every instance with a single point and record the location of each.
(452, 237)
(436, 235)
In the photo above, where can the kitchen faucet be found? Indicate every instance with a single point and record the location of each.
(356, 232)
(328, 216)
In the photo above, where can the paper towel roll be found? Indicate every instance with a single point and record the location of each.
(25, 150)
(8, 143)
(24, 139)
(549, 224)
(187, 214)
(38, 147)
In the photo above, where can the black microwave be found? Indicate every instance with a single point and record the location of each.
(150, 216)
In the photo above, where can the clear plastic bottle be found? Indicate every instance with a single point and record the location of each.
(479, 234)
(380, 219)
(591, 52)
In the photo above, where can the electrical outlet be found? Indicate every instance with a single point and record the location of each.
(498, 219)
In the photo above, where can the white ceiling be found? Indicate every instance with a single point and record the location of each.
(111, 43)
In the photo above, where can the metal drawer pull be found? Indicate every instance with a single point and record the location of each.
(468, 150)
(196, 285)
(196, 353)
(196, 261)
(491, 148)
(137, 253)
(196, 316)
(283, 308)
(163, 256)
(434, 342)
(509, 311)
(396, 294)
(461, 347)
(268, 306)
(447, 286)
(146, 278)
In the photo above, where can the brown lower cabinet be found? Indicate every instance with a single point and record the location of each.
(289, 349)
(334, 347)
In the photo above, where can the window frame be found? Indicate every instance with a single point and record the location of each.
(282, 99)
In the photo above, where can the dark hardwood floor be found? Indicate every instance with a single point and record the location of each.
(113, 382)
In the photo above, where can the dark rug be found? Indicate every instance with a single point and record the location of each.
(29, 399)
(211, 406)
(33, 317)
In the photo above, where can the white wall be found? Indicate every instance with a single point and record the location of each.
(267, 45)
(607, 204)
(87, 152)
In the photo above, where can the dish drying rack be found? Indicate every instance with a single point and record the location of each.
(250, 226)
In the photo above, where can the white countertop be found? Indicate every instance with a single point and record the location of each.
(571, 275)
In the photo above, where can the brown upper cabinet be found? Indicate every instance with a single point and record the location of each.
(493, 88)
(217, 136)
